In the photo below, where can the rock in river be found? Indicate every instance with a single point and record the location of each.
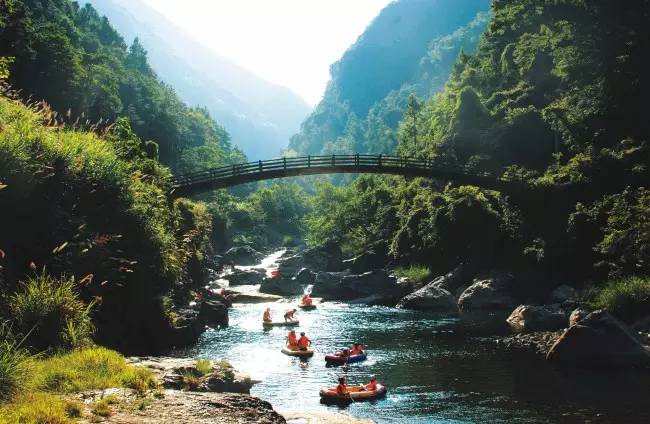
(491, 291)
(437, 295)
(429, 297)
(243, 277)
(213, 314)
(365, 262)
(281, 286)
(242, 255)
(378, 287)
(599, 339)
(529, 318)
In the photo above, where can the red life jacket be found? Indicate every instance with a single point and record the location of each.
(303, 342)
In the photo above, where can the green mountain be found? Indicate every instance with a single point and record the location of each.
(72, 57)
(409, 48)
(260, 116)
(554, 98)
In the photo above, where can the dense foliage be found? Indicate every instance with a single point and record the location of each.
(409, 48)
(94, 208)
(554, 98)
(71, 57)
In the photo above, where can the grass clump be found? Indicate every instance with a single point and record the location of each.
(91, 368)
(36, 408)
(627, 299)
(203, 366)
(12, 363)
(415, 273)
(50, 312)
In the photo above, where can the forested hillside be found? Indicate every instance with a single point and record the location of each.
(554, 97)
(409, 48)
(72, 57)
(260, 116)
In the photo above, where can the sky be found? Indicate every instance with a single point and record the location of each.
(288, 42)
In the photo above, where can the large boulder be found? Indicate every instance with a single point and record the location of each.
(242, 255)
(245, 277)
(290, 265)
(377, 286)
(213, 314)
(431, 297)
(599, 339)
(365, 262)
(327, 257)
(281, 286)
(305, 277)
(326, 283)
(493, 291)
(529, 318)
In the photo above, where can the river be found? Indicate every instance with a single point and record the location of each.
(438, 369)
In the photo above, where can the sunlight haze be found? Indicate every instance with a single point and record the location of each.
(288, 42)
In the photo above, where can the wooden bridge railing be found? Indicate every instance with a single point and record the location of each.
(245, 172)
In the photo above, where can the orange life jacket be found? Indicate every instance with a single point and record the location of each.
(267, 315)
(303, 342)
(306, 300)
(356, 351)
(292, 340)
(341, 389)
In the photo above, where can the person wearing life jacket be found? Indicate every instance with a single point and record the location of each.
(292, 340)
(357, 349)
(372, 386)
(342, 388)
(344, 354)
(306, 299)
(303, 342)
(288, 316)
(267, 315)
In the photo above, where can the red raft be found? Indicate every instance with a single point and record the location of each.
(356, 394)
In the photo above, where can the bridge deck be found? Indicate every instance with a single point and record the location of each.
(227, 176)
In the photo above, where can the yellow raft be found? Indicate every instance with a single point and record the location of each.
(301, 353)
(290, 323)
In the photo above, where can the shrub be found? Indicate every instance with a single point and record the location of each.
(12, 361)
(50, 311)
(415, 273)
(204, 366)
(627, 299)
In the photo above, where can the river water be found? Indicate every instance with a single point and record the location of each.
(438, 369)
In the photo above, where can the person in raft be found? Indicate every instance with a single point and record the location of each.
(372, 386)
(267, 315)
(342, 388)
(344, 354)
(357, 349)
(292, 340)
(288, 316)
(306, 299)
(303, 342)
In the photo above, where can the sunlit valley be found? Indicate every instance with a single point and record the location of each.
(457, 232)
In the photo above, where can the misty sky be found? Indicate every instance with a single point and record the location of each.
(289, 42)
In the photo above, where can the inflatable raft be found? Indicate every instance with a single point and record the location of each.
(337, 360)
(301, 353)
(355, 394)
(307, 307)
(291, 323)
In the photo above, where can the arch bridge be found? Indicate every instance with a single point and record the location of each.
(232, 175)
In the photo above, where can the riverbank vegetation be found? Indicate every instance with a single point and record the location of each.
(552, 99)
(36, 389)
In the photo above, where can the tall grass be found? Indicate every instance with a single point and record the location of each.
(12, 363)
(627, 299)
(415, 273)
(50, 311)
